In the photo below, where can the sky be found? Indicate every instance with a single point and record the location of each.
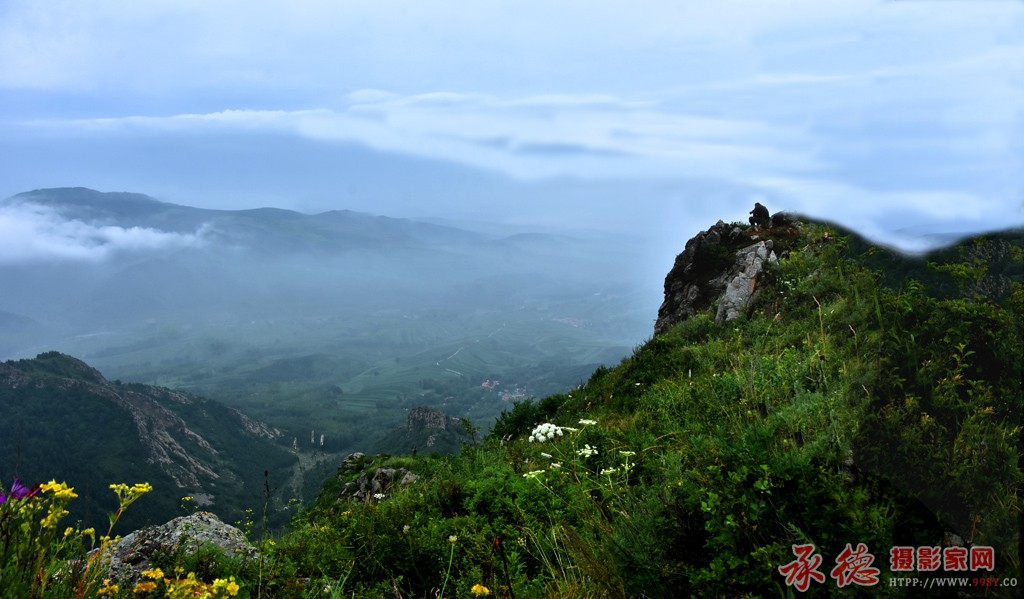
(900, 119)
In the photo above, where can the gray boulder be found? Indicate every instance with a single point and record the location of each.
(134, 553)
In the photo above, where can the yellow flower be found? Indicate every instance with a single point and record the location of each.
(480, 590)
(108, 589)
(141, 488)
(60, 490)
(229, 586)
(155, 573)
(144, 587)
(53, 517)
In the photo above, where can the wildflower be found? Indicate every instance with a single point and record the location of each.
(231, 587)
(586, 421)
(127, 495)
(587, 451)
(141, 488)
(155, 574)
(608, 471)
(108, 589)
(452, 538)
(533, 474)
(556, 465)
(53, 517)
(547, 455)
(379, 496)
(545, 432)
(144, 587)
(59, 490)
(480, 590)
(405, 529)
(18, 491)
(627, 453)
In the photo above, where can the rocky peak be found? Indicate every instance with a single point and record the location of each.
(370, 484)
(720, 267)
(422, 418)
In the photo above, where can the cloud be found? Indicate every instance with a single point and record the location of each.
(911, 221)
(528, 137)
(30, 232)
(866, 108)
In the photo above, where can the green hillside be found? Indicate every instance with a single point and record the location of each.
(844, 410)
(63, 420)
(868, 404)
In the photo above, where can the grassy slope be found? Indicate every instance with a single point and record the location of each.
(841, 411)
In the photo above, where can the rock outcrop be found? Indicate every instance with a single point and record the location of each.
(135, 552)
(372, 484)
(719, 266)
(422, 418)
(742, 280)
(426, 429)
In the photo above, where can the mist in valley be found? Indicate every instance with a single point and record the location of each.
(334, 324)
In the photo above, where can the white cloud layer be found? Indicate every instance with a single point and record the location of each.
(867, 111)
(30, 232)
(528, 137)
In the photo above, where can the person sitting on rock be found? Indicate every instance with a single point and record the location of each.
(759, 216)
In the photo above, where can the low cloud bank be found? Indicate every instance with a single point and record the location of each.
(30, 233)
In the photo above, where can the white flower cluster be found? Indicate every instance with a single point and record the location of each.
(587, 421)
(545, 432)
(587, 451)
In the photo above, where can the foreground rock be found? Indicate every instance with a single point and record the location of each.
(135, 552)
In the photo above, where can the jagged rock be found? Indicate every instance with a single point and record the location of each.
(372, 482)
(134, 553)
(718, 265)
(743, 284)
(423, 418)
(351, 461)
(784, 219)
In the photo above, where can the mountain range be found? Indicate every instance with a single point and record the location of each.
(332, 327)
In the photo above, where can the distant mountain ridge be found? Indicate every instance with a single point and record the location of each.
(338, 322)
(258, 228)
(63, 419)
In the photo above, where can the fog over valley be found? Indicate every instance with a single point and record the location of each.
(339, 321)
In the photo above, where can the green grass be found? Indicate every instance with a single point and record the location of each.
(719, 446)
(844, 410)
